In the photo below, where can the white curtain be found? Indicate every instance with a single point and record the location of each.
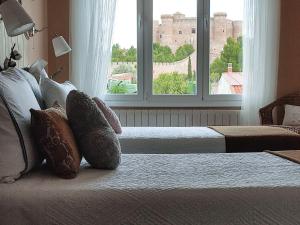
(91, 31)
(261, 53)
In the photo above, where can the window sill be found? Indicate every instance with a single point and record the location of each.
(200, 104)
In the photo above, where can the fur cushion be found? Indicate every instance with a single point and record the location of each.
(97, 140)
(110, 115)
(56, 141)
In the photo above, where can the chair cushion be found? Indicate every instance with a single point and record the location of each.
(55, 92)
(56, 141)
(291, 116)
(18, 152)
(110, 115)
(96, 139)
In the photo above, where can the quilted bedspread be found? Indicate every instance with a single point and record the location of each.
(209, 189)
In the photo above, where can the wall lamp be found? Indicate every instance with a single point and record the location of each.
(61, 47)
(15, 18)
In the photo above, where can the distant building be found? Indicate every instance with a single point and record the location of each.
(177, 29)
(230, 83)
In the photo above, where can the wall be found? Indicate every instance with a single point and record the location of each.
(58, 20)
(289, 61)
(37, 46)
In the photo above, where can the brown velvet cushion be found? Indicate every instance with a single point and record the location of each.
(110, 115)
(56, 141)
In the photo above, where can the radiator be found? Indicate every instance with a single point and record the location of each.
(177, 118)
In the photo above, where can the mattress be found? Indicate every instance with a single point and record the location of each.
(171, 140)
(210, 189)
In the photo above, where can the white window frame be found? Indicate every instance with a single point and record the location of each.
(145, 98)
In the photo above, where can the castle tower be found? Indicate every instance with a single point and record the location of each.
(156, 31)
(237, 29)
(166, 30)
(220, 27)
(178, 16)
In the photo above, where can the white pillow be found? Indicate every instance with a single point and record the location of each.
(291, 116)
(18, 154)
(55, 92)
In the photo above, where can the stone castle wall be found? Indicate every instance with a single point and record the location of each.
(177, 29)
(159, 68)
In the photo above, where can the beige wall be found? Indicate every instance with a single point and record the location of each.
(289, 61)
(58, 20)
(37, 46)
(53, 14)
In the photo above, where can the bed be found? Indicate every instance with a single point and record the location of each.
(230, 139)
(171, 140)
(192, 189)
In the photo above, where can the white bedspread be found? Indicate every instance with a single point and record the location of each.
(209, 189)
(171, 140)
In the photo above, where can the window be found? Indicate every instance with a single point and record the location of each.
(226, 48)
(199, 65)
(123, 74)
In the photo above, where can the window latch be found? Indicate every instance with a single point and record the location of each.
(206, 23)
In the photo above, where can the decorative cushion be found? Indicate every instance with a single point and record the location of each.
(291, 116)
(17, 151)
(56, 141)
(55, 92)
(96, 139)
(110, 115)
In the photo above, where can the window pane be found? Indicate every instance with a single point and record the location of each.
(174, 47)
(123, 74)
(226, 50)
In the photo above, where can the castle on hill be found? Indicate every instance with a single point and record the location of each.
(177, 29)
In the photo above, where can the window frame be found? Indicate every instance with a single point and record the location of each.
(144, 97)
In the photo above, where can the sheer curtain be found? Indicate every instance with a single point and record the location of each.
(91, 31)
(261, 51)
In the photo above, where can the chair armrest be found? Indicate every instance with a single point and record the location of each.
(266, 114)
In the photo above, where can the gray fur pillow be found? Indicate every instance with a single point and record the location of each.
(96, 139)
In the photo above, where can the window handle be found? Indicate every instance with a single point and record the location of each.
(140, 22)
(206, 23)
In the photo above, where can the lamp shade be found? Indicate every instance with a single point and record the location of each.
(15, 18)
(60, 46)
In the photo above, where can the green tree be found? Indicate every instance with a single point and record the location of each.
(131, 54)
(162, 54)
(216, 69)
(118, 54)
(119, 88)
(232, 53)
(171, 84)
(184, 51)
(124, 68)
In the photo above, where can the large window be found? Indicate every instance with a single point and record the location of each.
(177, 53)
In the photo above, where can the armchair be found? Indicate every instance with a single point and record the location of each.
(266, 113)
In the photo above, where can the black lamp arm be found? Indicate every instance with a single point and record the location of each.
(56, 73)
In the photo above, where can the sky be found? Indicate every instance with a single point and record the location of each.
(125, 29)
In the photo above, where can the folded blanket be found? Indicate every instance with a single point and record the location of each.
(292, 155)
(258, 138)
